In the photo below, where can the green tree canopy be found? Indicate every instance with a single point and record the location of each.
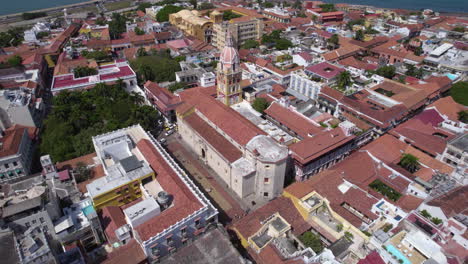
(176, 86)
(205, 5)
(163, 14)
(78, 115)
(409, 162)
(260, 104)
(459, 93)
(387, 71)
(250, 44)
(344, 80)
(312, 240)
(228, 15)
(117, 25)
(463, 116)
(158, 68)
(142, 7)
(411, 70)
(12, 37)
(328, 7)
(359, 35)
(139, 31)
(98, 55)
(15, 61)
(334, 40)
(84, 71)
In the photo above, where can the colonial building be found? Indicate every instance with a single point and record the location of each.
(242, 29)
(229, 75)
(250, 163)
(193, 24)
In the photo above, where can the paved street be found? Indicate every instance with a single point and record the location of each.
(206, 179)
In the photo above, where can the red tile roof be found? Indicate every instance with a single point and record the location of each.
(447, 106)
(454, 202)
(184, 201)
(225, 118)
(112, 218)
(10, 142)
(325, 70)
(216, 140)
(294, 121)
(251, 223)
(372, 258)
(129, 253)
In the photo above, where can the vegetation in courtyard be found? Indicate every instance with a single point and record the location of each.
(312, 240)
(459, 93)
(163, 14)
(409, 162)
(157, 67)
(77, 116)
(385, 190)
(260, 104)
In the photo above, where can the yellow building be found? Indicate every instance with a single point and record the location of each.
(193, 24)
(126, 170)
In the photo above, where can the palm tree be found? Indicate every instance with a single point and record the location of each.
(409, 162)
(344, 80)
(146, 73)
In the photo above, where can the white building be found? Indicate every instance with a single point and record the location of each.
(303, 84)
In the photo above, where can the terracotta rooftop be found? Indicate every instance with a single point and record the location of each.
(447, 106)
(10, 142)
(325, 70)
(185, 202)
(294, 121)
(225, 118)
(251, 223)
(129, 253)
(112, 218)
(454, 202)
(220, 143)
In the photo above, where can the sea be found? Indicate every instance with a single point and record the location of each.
(449, 6)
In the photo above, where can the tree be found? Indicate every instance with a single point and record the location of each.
(268, 5)
(283, 44)
(117, 25)
(82, 172)
(370, 30)
(388, 71)
(158, 68)
(328, 7)
(349, 236)
(42, 34)
(139, 31)
(141, 52)
(193, 3)
(260, 104)
(15, 61)
(228, 15)
(425, 213)
(163, 14)
(29, 16)
(98, 55)
(459, 93)
(142, 7)
(297, 4)
(77, 116)
(351, 23)
(206, 5)
(180, 58)
(459, 29)
(176, 86)
(418, 51)
(409, 162)
(339, 227)
(463, 116)
(359, 35)
(250, 44)
(84, 71)
(411, 70)
(13, 37)
(312, 240)
(334, 41)
(344, 80)
(436, 221)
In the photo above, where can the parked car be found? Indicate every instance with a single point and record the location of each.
(163, 141)
(169, 132)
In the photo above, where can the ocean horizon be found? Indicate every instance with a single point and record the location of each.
(450, 6)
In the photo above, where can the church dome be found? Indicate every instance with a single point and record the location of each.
(229, 55)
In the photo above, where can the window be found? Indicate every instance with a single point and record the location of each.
(169, 241)
(34, 222)
(7, 166)
(27, 224)
(183, 231)
(266, 180)
(41, 220)
(265, 194)
(15, 163)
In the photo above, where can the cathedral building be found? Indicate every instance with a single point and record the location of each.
(251, 163)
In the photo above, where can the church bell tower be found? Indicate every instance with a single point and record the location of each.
(229, 74)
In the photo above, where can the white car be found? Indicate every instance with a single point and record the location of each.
(169, 132)
(162, 141)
